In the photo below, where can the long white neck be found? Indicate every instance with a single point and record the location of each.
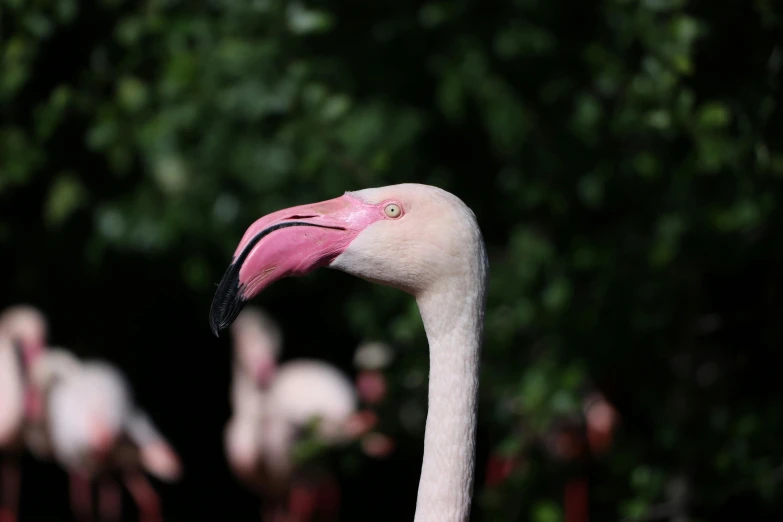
(453, 316)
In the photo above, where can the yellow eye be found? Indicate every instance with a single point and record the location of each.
(392, 210)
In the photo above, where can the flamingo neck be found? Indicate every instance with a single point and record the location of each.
(453, 319)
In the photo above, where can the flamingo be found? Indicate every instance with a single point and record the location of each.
(94, 430)
(371, 359)
(576, 438)
(23, 331)
(416, 238)
(272, 405)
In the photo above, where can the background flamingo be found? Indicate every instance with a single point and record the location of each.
(23, 331)
(417, 238)
(371, 359)
(95, 431)
(273, 405)
(575, 439)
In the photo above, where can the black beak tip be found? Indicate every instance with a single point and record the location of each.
(214, 327)
(228, 301)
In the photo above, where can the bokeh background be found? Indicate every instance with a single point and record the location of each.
(624, 159)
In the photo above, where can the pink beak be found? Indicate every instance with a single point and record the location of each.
(288, 243)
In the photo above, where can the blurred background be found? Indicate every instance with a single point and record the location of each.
(624, 159)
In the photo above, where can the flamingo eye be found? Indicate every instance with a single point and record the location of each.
(392, 210)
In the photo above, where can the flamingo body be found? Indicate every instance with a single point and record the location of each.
(307, 389)
(94, 430)
(86, 415)
(273, 405)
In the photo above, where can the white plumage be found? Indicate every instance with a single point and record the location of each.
(94, 429)
(86, 415)
(307, 389)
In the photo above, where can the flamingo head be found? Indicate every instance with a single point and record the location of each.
(412, 237)
(161, 460)
(28, 327)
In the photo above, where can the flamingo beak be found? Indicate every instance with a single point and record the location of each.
(288, 243)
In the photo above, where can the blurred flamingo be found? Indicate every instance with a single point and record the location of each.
(95, 431)
(573, 439)
(371, 359)
(23, 331)
(272, 406)
(577, 439)
(416, 238)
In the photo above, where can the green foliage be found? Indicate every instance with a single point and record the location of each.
(620, 160)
